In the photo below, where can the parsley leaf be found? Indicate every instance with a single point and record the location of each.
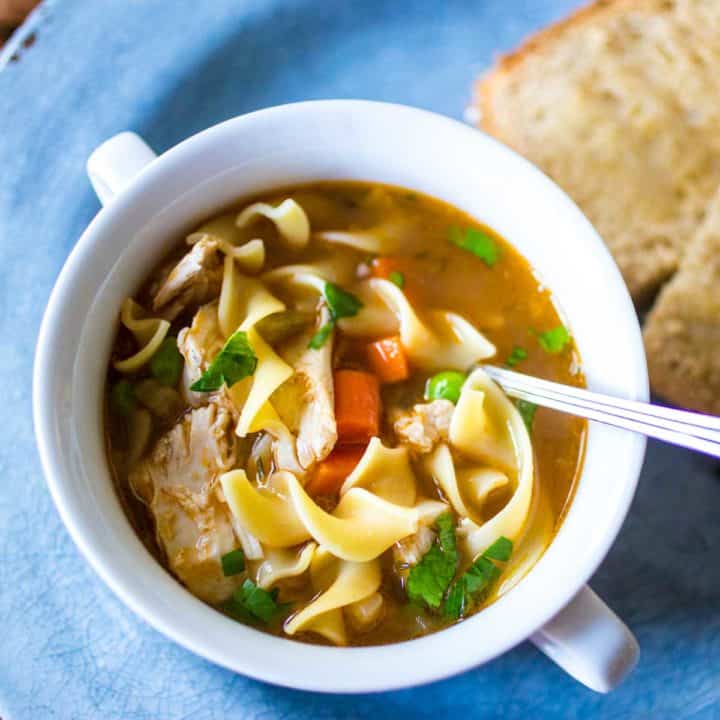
(430, 578)
(397, 278)
(555, 340)
(233, 363)
(340, 303)
(477, 580)
(476, 241)
(517, 355)
(233, 563)
(500, 550)
(250, 602)
(527, 411)
(167, 363)
(321, 336)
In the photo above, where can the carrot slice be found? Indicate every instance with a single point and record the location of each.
(330, 474)
(357, 406)
(381, 267)
(387, 359)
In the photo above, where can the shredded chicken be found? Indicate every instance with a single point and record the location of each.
(424, 426)
(195, 280)
(199, 344)
(410, 550)
(178, 483)
(306, 402)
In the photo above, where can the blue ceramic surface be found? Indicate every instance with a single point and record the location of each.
(68, 648)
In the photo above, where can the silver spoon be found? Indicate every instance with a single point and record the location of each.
(678, 427)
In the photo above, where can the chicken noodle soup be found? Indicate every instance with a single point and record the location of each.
(300, 428)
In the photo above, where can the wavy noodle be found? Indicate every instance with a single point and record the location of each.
(342, 583)
(445, 340)
(148, 332)
(289, 218)
(244, 301)
(265, 512)
(367, 242)
(282, 564)
(474, 483)
(361, 527)
(338, 270)
(487, 427)
(250, 256)
(385, 472)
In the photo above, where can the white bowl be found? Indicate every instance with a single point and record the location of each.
(324, 141)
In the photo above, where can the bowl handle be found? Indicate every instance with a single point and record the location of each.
(590, 642)
(116, 162)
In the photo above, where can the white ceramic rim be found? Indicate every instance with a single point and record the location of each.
(161, 601)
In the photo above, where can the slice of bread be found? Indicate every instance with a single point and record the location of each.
(620, 105)
(682, 332)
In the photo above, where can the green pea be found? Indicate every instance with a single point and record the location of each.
(445, 385)
(167, 363)
(122, 398)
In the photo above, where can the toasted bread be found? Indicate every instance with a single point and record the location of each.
(682, 332)
(620, 105)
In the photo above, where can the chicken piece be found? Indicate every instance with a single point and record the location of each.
(199, 344)
(195, 280)
(410, 550)
(178, 483)
(424, 426)
(306, 401)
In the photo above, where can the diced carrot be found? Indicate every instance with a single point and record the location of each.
(330, 474)
(357, 406)
(382, 267)
(387, 359)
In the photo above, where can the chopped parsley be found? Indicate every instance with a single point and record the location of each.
(321, 336)
(122, 398)
(476, 582)
(341, 304)
(517, 355)
(431, 577)
(167, 363)
(555, 340)
(476, 241)
(233, 563)
(233, 363)
(527, 411)
(251, 603)
(397, 278)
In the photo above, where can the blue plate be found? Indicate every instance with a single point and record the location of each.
(79, 72)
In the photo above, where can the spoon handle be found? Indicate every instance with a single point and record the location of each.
(678, 427)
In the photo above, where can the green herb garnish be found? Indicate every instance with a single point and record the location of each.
(122, 398)
(341, 304)
(167, 363)
(517, 355)
(233, 563)
(251, 603)
(446, 385)
(233, 363)
(397, 278)
(478, 242)
(527, 411)
(321, 336)
(430, 578)
(475, 583)
(555, 340)
(500, 550)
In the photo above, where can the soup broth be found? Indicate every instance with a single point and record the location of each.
(249, 453)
